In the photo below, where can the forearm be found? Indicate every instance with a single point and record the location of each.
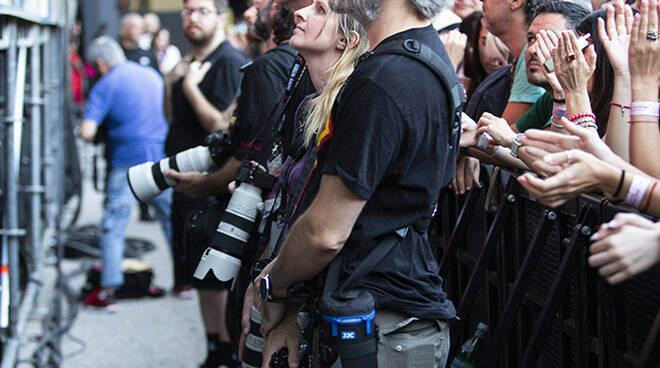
(577, 103)
(211, 118)
(645, 137)
(302, 256)
(609, 178)
(501, 158)
(617, 136)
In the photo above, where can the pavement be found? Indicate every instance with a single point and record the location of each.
(149, 332)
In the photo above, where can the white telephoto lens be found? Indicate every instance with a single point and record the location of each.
(142, 183)
(245, 202)
(224, 266)
(196, 159)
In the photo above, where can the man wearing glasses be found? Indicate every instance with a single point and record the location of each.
(200, 92)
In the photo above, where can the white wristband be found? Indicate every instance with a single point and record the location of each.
(645, 108)
(637, 191)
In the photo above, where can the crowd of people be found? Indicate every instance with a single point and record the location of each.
(332, 99)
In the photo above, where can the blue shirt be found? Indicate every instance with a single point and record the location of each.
(128, 100)
(522, 90)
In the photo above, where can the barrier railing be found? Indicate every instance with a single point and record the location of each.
(521, 268)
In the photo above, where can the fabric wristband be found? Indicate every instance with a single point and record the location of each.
(645, 108)
(559, 113)
(637, 191)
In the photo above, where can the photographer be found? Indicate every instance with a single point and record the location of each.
(383, 156)
(201, 89)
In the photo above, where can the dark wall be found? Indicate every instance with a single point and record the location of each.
(99, 18)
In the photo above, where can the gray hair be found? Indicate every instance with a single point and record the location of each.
(366, 11)
(429, 8)
(106, 49)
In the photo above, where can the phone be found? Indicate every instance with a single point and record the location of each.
(582, 41)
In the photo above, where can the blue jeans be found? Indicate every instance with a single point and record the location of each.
(118, 205)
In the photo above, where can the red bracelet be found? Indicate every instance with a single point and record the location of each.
(582, 115)
(643, 121)
(648, 201)
(619, 105)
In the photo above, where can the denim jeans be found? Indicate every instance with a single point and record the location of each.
(118, 205)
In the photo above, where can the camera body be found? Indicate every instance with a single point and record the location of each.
(146, 180)
(224, 254)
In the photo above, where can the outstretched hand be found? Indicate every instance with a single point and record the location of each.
(573, 68)
(615, 35)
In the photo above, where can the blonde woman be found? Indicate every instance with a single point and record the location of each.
(330, 44)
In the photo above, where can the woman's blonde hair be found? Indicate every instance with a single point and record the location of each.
(319, 107)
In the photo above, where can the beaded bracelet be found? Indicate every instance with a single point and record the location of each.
(589, 125)
(582, 115)
(645, 108)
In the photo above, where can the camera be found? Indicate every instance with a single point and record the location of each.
(146, 180)
(236, 224)
(254, 342)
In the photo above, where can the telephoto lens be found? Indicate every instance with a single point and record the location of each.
(146, 180)
(254, 342)
(236, 224)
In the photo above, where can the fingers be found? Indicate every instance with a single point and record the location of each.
(241, 346)
(294, 352)
(634, 33)
(173, 174)
(459, 188)
(604, 37)
(644, 20)
(612, 30)
(629, 19)
(632, 219)
(590, 57)
(653, 15)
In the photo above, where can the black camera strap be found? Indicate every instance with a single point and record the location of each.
(276, 114)
(293, 201)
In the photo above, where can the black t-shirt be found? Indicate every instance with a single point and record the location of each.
(143, 57)
(220, 86)
(387, 141)
(262, 87)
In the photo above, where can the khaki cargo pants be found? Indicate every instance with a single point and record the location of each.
(405, 341)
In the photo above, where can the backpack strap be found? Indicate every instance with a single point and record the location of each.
(425, 55)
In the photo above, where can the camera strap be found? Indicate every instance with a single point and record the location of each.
(295, 75)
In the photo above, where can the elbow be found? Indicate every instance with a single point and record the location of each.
(328, 240)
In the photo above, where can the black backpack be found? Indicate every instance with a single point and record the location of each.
(491, 95)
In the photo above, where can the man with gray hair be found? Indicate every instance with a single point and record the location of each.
(384, 154)
(128, 102)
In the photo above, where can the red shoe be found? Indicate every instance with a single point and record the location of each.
(100, 300)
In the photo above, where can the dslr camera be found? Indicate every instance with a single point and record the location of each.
(146, 180)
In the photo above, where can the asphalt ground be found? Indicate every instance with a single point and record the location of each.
(148, 332)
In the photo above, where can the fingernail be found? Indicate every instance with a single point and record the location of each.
(613, 224)
(468, 189)
(595, 236)
(246, 331)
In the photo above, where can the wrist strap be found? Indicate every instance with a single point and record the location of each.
(618, 187)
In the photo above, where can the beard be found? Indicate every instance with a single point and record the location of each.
(364, 11)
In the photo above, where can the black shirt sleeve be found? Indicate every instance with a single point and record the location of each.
(224, 85)
(261, 88)
(370, 129)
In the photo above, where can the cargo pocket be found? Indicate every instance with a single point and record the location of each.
(410, 343)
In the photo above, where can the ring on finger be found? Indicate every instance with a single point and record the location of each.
(652, 34)
(570, 57)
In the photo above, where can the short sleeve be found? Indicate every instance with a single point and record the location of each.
(366, 137)
(537, 117)
(98, 103)
(226, 82)
(260, 90)
(521, 90)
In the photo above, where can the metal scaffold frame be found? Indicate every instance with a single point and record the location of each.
(35, 114)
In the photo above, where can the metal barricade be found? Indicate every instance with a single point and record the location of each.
(521, 268)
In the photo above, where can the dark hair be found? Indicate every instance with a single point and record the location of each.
(472, 68)
(573, 13)
(603, 87)
(281, 24)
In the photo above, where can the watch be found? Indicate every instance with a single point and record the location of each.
(266, 291)
(515, 145)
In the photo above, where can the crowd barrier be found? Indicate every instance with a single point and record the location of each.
(39, 171)
(521, 268)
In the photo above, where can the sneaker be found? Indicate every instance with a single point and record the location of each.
(183, 291)
(100, 300)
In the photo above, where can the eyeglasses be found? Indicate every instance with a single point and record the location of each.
(188, 12)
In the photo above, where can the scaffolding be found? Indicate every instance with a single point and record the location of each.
(35, 146)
